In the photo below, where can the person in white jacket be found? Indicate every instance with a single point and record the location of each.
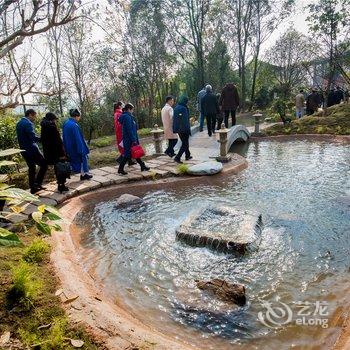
(167, 120)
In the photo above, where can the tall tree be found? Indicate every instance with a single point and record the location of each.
(330, 20)
(267, 16)
(186, 23)
(288, 57)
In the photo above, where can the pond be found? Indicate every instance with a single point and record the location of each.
(302, 190)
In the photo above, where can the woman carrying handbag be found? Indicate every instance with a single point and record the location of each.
(54, 153)
(131, 145)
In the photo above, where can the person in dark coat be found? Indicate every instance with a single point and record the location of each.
(229, 102)
(27, 141)
(331, 100)
(75, 145)
(130, 138)
(210, 108)
(313, 102)
(182, 126)
(53, 146)
(338, 95)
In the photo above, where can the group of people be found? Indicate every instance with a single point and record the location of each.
(217, 108)
(56, 150)
(314, 100)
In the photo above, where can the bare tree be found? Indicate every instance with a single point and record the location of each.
(288, 58)
(22, 19)
(186, 27)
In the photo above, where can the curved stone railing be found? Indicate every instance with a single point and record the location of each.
(237, 133)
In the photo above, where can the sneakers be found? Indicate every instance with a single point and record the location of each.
(85, 177)
(188, 158)
(169, 154)
(122, 172)
(177, 160)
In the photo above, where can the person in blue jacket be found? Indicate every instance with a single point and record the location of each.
(182, 126)
(130, 138)
(27, 141)
(75, 145)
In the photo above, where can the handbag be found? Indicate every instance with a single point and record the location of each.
(137, 151)
(62, 169)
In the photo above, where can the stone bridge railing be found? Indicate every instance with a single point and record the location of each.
(228, 136)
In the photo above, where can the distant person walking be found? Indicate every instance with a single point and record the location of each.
(167, 120)
(210, 108)
(53, 147)
(200, 95)
(118, 129)
(338, 95)
(75, 145)
(313, 102)
(229, 102)
(299, 104)
(130, 138)
(27, 141)
(182, 126)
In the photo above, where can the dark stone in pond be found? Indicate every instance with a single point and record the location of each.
(225, 291)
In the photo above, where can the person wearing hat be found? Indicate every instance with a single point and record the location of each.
(53, 146)
(27, 141)
(75, 145)
(130, 138)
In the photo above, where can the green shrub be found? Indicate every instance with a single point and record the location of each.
(26, 286)
(8, 138)
(36, 251)
(144, 132)
(103, 141)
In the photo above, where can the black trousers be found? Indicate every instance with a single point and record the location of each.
(185, 146)
(220, 119)
(171, 144)
(211, 121)
(61, 179)
(32, 161)
(233, 115)
(128, 159)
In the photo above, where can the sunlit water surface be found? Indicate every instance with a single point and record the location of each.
(301, 188)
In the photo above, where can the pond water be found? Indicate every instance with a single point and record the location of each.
(302, 190)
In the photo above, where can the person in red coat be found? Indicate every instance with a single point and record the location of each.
(118, 129)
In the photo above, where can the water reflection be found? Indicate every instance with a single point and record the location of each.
(301, 188)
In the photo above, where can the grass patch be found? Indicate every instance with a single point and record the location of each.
(335, 122)
(35, 253)
(26, 286)
(183, 168)
(38, 283)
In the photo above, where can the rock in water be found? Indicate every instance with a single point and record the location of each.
(206, 168)
(127, 199)
(225, 291)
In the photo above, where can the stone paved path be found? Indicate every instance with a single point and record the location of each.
(203, 148)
